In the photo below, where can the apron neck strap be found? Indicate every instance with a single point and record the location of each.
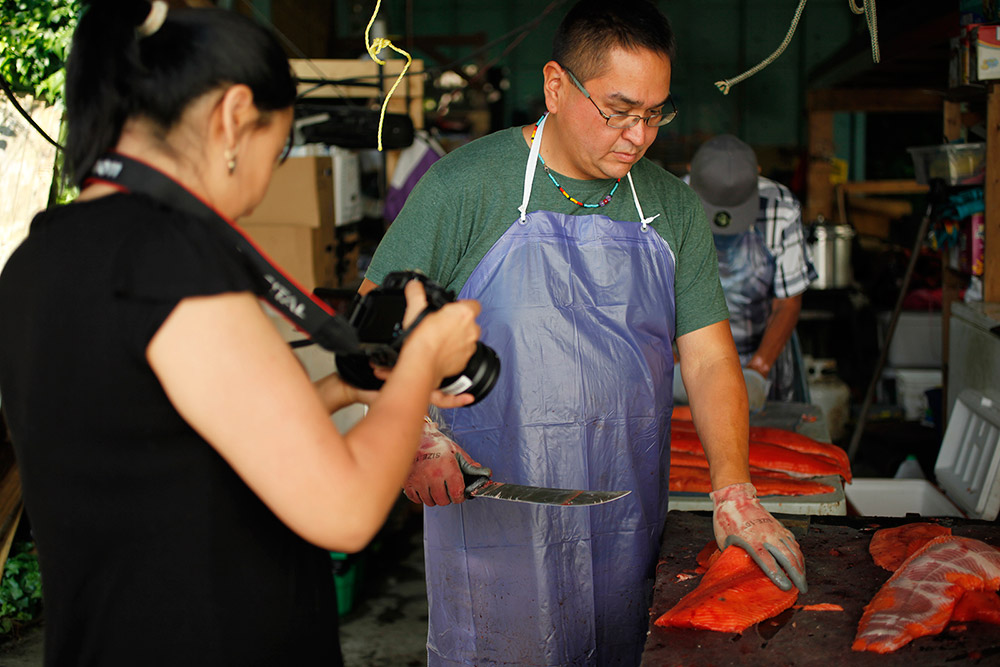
(529, 170)
(529, 179)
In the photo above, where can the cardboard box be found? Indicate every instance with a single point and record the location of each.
(294, 224)
(988, 52)
(300, 193)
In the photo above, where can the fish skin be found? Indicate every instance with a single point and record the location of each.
(890, 547)
(697, 480)
(733, 595)
(919, 599)
(769, 457)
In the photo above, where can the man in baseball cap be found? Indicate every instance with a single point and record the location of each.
(724, 174)
(764, 264)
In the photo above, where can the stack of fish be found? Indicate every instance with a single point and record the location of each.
(781, 461)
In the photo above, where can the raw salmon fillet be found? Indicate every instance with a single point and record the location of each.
(696, 479)
(920, 597)
(767, 457)
(733, 595)
(682, 412)
(781, 437)
(804, 444)
(891, 546)
(983, 606)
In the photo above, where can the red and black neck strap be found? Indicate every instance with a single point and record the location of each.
(305, 312)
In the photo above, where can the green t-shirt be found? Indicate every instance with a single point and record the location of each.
(470, 197)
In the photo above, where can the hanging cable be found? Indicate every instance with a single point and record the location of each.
(13, 100)
(373, 48)
(867, 8)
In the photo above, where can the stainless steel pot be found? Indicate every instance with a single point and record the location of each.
(831, 249)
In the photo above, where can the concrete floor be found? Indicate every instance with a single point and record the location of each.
(387, 627)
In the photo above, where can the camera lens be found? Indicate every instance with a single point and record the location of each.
(479, 376)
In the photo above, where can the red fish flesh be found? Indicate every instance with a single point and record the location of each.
(891, 546)
(733, 595)
(768, 457)
(983, 606)
(682, 412)
(804, 444)
(783, 438)
(697, 480)
(920, 597)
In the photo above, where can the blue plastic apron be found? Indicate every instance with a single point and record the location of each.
(746, 270)
(580, 310)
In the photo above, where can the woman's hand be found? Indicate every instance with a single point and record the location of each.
(446, 338)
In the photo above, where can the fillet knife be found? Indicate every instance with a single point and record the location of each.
(478, 484)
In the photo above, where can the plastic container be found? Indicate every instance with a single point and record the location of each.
(967, 471)
(911, 390)
(916, 341)
(910, 469)
(346, 578)
(955, 164)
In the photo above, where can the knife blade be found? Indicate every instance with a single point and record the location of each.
(478, 484)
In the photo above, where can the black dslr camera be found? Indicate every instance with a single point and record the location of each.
(377, 317)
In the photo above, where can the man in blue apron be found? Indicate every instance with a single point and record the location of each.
(589, 263)
(764, 264)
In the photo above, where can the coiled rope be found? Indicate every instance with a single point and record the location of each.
(373, 48)
(867, 8)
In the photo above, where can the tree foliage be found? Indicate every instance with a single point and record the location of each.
(34, 42)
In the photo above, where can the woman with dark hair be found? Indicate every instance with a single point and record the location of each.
(182, 475)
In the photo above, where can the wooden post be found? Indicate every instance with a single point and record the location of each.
(819, 192)
(991, 191)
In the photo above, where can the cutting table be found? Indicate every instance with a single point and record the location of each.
(839, 570)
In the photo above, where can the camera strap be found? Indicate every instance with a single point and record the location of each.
(301, 309)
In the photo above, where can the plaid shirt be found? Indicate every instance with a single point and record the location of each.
(780, 221)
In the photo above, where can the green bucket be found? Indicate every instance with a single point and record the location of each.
(346, 579)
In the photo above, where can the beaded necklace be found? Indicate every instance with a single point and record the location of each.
(552, 178)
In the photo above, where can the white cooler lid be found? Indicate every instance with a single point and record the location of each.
(968, 466)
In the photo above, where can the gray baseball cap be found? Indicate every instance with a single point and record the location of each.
(724, 174)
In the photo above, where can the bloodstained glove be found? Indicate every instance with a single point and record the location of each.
(739, 519)
(436, 477)
(757, 388)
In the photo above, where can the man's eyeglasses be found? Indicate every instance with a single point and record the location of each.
(623, 121)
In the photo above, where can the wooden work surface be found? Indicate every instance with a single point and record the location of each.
(839, 570)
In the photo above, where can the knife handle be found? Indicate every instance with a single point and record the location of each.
(475, 475)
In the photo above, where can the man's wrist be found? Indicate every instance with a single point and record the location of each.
(758, 364)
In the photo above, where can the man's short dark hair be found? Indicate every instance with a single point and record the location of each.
(592, 28)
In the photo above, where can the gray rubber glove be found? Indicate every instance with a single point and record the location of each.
(738, 518)
(757, 388)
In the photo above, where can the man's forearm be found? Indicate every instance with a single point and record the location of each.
(781, 324)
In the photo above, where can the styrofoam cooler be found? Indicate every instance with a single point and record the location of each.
(967, 471)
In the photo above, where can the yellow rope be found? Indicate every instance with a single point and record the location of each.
(373, 48)
(868, 8)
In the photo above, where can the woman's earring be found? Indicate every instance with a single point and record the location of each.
(230, 161)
